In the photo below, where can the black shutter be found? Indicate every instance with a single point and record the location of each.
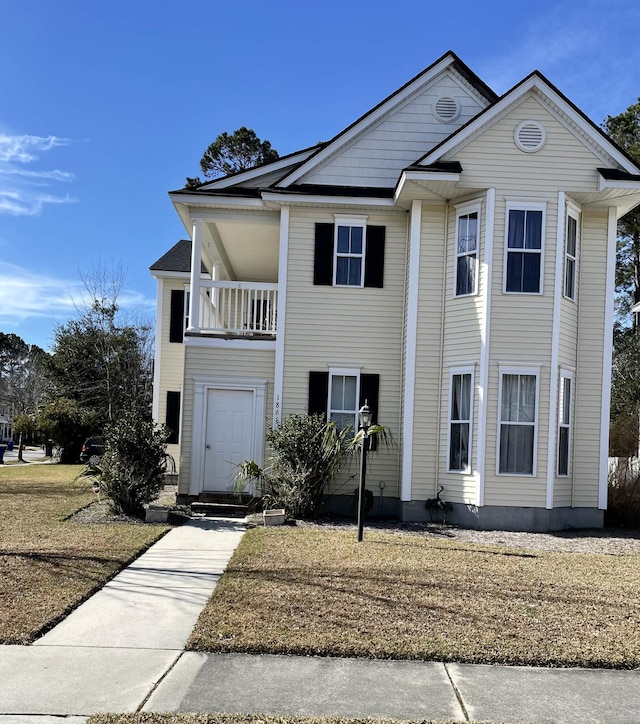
(369, 386)
(318, 392)
(323, 255)
(176, 323)
(173, 416)
(374, 261)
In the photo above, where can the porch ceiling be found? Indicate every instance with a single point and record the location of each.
(247, 248)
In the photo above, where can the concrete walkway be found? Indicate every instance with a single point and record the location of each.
(122, 651)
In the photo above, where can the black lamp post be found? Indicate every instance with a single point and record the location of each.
(365, 423)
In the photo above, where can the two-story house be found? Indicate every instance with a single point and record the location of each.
(450, 258)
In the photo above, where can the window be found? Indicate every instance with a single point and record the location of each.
(343, 398)
(518, 418)
(570, 257)
(564, 423)
(349, 246)
(460, 413)
(331, 393)
(466, 281)
(172, 417)
(523, 266)
(349, 253)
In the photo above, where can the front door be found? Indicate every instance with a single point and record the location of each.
(228, 437)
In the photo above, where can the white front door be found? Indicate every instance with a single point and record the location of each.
(229, 436)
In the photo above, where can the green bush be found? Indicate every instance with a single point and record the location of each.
(305, 453)
(68, 424)
(134, 463)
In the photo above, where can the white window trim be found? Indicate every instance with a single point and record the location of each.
(470, 370)
(351, 221)
(565, 375)
(524, 206)
(344, 372)
(574, 214)
(516, 370)
(463, 210)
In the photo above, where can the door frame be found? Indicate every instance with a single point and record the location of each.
(201, 388)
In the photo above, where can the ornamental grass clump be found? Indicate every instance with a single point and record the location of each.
(132, 469)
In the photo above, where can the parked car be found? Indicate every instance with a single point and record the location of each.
(92, 449)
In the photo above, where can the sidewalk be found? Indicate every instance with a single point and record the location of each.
(122, 650)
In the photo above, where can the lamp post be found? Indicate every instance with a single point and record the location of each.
(365, 423)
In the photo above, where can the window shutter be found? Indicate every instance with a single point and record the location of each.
(176, 319)
(323, 255)
(318, 393)
(374, 262)
(369, 385)
(172, 417)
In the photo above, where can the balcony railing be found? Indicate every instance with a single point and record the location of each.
(238, 308)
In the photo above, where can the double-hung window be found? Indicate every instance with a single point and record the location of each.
(350, 251)
(460, 415)
(344, 393)
(571, 256)
(518, 421)
(467, 238)
(564, 422)
(524, 248)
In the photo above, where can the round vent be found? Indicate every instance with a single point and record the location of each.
(529, 136)
(447, 109)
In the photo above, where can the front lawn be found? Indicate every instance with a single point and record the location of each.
(48, 565)
(315, 592)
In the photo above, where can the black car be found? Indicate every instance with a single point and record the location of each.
(92, 449)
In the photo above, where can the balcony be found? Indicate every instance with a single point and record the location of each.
(237, 309)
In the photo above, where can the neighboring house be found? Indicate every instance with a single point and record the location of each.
(450, 258)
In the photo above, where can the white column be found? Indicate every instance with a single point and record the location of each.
(278, 381)
(612, 227)
(485, 334)
(196, 262)
(413, 285)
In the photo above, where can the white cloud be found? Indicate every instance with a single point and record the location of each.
(21, 191)
(26, 295)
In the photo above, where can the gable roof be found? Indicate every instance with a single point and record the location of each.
(448, 60)
(177, 259)
(534, 81)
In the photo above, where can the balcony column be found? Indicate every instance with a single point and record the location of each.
(196, 263)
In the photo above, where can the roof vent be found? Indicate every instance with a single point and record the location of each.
(529, 136)
(447, 109)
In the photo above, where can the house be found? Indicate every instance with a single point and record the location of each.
(448, 257)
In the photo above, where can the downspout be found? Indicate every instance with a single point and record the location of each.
(403, 367)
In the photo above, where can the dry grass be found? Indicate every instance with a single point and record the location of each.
(48, 565)
(306, 591)
(239, 719)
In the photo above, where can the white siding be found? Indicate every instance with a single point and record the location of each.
(377, 156)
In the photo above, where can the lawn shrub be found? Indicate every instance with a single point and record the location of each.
(134, 463)
(306, 451)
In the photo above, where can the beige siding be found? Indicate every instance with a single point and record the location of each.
(215, 362)
(347, 327)
(377, 157)
(171, 359)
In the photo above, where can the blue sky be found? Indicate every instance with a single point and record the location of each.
(104, 107)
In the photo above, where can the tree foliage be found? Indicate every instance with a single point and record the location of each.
(67, 423)
(624, 129)
(232, 153)
(22, 374)
(102, 363)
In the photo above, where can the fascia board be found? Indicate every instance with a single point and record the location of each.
(604, 183)
(368, 119)
(253, 173)
(509, 99)
(293, 199)
(213, 201)
(164, 274)
(425, 175)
